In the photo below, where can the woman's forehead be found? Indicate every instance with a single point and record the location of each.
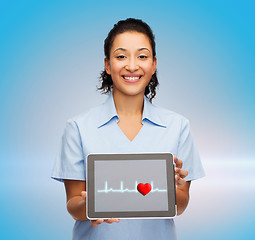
(131, 41)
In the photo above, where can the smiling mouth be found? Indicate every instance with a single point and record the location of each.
(134, 78)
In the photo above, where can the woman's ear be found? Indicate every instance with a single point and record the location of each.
(154, 65)
(107, 66)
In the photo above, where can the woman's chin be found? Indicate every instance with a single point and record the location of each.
(130, 91)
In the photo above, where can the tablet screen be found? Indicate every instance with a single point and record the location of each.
(130, 185)
(116, 185)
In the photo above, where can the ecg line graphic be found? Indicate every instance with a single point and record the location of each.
(122, 190)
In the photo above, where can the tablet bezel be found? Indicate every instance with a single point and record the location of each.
(90, 203)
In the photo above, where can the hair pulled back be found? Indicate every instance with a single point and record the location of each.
(128, 25)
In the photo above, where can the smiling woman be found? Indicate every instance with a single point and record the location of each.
(126, 123)
(131, 63)
(130, 28)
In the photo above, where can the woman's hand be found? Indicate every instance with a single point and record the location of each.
(95, 223)
(180, 173)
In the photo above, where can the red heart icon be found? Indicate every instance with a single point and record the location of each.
(144, 188)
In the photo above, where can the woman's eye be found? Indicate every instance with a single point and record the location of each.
(121, 57)
(142, 56)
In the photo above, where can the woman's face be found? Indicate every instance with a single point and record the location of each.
(131, 64)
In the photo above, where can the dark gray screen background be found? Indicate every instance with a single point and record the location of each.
(130, 171)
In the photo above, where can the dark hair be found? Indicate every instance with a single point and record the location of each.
(135, 25)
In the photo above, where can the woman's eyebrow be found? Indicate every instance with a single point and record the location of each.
(141, 49)
(121, 49)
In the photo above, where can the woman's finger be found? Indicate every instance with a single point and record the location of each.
(95, 223)
(183, 173)
(111, 220)
(84, 195)
(178, 162)
(179, 182)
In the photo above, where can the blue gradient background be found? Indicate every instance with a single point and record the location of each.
(51, 53)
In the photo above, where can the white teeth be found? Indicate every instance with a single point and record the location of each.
(131, 78)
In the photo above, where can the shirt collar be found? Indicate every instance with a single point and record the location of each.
(150, 113)
(107, 111)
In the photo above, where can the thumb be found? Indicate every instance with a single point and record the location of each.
(84, 195)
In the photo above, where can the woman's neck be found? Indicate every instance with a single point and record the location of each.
(128, 105)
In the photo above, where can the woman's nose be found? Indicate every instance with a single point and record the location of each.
(132, 65)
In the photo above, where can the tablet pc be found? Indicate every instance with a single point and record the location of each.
(130, 186)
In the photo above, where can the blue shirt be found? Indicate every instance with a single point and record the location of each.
(97, 132)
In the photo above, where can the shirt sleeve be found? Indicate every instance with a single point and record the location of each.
(70, 162)
(188, 153)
